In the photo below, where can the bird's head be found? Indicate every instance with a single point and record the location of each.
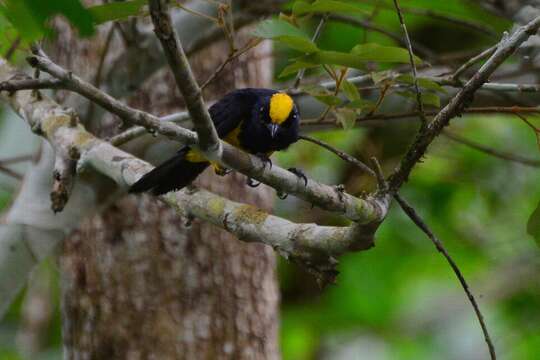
(277, 112)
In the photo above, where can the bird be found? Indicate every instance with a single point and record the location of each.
(257, 120)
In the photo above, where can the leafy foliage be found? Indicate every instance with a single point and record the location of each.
(30, 17)
(400, 296)
(116, 10)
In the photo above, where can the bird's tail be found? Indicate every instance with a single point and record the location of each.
(173, 174)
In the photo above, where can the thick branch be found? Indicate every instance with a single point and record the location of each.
(310, 244)
(327, 197)
(63, 178)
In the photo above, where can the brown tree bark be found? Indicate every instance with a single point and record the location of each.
(139, 282)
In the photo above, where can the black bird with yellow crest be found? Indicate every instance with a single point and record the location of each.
(258, 121)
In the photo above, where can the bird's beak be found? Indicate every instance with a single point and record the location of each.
(273, 129)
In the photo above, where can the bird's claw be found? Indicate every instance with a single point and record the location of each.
(251, 183)
(265, 160)
(221, 171)
(300, 174)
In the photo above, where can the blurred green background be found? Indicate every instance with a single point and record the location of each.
(399, 300)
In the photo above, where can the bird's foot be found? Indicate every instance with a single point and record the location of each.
(220, 170)
(265, 160)
(300, 173)
(252, 183)
(282, 195)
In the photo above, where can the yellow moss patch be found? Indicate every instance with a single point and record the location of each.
(83, 138)
(250, 214)
(51, 124)
(216, 206)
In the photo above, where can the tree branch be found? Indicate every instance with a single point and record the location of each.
(283, 181)
(209, 142)
(490, 151)
(411, 213)
(459, 102)
(310, 244)
(419, 102)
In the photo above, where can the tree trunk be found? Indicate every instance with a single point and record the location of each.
(139, 282)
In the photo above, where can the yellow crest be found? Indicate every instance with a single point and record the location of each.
(281, 106)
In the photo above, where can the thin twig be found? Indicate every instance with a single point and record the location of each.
(31, 84)
(340, 153)
(230, 58)
(14, 45)
(421, 49)
(531, 125)
(316, 34)
(409, 210)
(413, 215)
(475, 59)
(453, 20)
(490, 151)
(459, 102)
(195, 12)
(97, 78)
(413, 65)
(10, 172)
(379, 175)
(16, 159)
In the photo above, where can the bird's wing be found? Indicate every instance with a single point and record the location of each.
(230, 111)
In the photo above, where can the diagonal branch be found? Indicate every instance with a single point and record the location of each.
(209, 142)
(411, 213)
(491, 151)
(459, 102)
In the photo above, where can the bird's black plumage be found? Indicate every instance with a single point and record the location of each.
(259, 121)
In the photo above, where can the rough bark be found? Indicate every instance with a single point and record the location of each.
(139, 282)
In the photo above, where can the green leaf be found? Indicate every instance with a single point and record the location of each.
(533, 225)
(330, 100)
(270, 29)
(116, 10)
(322, 94)
(350, 90)
(422, 82)
(30, 17)
(286, 33)
(298, 43)
(295, 66)
(334, 58)
(428, 98)
(358, 56)
(379, 53)
(360, 104)
(323, 6)
(346, 117)
(381, 76)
